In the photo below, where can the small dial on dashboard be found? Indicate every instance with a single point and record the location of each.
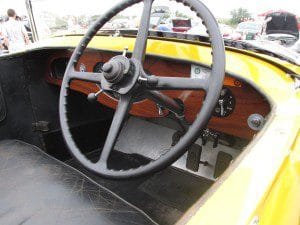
(58, 67)
(225, 105)
(98, 67)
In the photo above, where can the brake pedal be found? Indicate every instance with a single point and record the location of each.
(193, 158)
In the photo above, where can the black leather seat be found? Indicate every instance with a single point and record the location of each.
(38, 189)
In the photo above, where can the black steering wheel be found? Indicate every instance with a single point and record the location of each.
(126, 77)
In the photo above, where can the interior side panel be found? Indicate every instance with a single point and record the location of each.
(19, 117)
(31, 112)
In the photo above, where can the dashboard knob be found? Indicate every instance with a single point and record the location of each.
(256, 122)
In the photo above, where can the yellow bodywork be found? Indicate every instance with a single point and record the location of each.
(262, 186)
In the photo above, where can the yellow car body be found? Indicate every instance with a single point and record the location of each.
(262, 186)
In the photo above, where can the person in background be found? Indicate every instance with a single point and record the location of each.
(1, 44)
(163, 27)
(15, 35)
(1, 35)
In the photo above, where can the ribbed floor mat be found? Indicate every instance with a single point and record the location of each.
(164, 196)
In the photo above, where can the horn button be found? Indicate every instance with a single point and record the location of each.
(116, 69)
(120, 74)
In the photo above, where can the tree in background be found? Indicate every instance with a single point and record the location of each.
(239, 15)
(224, 21)
(181, 15)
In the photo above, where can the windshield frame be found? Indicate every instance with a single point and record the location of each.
(35, 35)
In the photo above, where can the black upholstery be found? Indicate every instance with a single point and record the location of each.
(38, 189)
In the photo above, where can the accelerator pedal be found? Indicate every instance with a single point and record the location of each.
(223, 161)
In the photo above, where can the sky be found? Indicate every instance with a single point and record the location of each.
(220, 8)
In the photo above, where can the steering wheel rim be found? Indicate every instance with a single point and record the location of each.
(211, 85)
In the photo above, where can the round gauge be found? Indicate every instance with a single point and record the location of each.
(225, 105)
(58, 67)
(98, 67)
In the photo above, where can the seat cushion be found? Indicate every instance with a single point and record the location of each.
(38, 189)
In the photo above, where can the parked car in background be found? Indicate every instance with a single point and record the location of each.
(181, 25)
(282, 27)
(296, 46)
(226, 30)
(198, 29)
(265, 14)
(249, 30)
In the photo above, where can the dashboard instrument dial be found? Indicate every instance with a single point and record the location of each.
(58, 67)
(98, 67)
(226, 104)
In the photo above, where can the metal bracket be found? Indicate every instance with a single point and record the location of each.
(209, 134)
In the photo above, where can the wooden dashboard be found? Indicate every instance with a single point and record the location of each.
(247, 100)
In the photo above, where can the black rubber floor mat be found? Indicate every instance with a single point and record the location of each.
(176, 188)
(223, 161)
(139, 191)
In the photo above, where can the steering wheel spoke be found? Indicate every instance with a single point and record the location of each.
(142, 36)
(121, 112)
(175, 83)
(85, 76)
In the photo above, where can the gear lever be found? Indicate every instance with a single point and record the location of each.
(92, 97)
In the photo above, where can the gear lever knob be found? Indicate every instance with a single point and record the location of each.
(92, 97)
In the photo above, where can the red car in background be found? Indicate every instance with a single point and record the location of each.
(181, 25)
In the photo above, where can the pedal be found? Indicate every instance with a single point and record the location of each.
(193, 158)
(194, 153)
(223, 161)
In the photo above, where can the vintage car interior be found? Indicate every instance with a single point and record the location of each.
(114, 135)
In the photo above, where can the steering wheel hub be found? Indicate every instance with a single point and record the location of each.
(116, 69)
